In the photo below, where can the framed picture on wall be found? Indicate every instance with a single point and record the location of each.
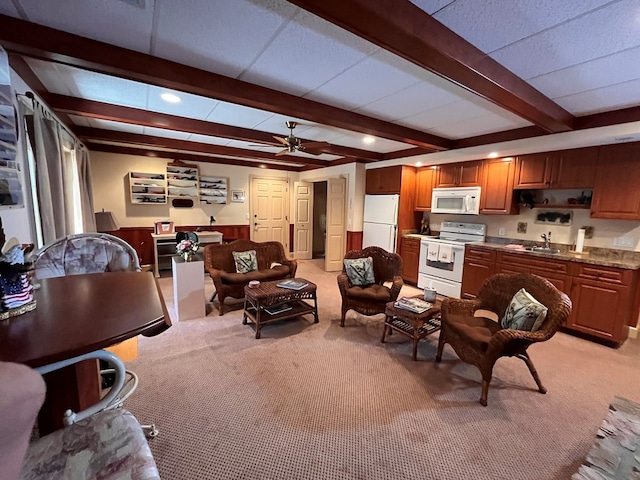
(237, 196)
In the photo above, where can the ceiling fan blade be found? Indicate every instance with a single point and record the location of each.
(266, 144)
(283, 141)
(284, 151)
(314, 148)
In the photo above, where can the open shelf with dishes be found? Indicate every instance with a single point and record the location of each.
(554, 199)
(214, 190)
(182, 180)
(147, 188)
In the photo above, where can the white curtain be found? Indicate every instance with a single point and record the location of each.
(62, 175)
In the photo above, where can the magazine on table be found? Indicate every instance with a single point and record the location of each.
(275, 309)
(415, 305)
(293, 284)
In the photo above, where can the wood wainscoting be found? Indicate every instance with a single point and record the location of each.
(354, 241)
(140, 237)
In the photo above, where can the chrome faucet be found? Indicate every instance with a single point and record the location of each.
(547, 239)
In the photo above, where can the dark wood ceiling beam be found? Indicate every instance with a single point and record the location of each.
(404, 29)
(408, 152)
(98, 134)
(49, 44)
(145, 152)
(136, 116)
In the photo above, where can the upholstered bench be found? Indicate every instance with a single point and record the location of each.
(271, 263)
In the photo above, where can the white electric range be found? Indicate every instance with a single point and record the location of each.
(442, 258)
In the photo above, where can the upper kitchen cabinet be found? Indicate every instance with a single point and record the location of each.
(384, 181)
(575, 168)
(425, 181)
(497, 187)
(467, 174)
(616, 193)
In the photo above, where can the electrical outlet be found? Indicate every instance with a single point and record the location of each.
(623, 242)
(502, 232)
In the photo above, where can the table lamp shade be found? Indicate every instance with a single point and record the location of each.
(106, 222)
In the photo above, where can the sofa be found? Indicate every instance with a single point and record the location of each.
(220, 263)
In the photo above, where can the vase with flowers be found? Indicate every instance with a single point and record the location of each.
(187, 249)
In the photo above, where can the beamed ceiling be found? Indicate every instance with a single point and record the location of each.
(419, 77)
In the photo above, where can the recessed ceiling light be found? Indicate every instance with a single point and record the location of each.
(368, 139)
(262, 165)
(418, 164)
(493, 155)
(170, 97)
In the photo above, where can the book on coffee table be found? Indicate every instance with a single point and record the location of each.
(292, 284)
(415, 305)
(275, 309)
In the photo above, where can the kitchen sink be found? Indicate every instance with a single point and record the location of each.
(542, 249)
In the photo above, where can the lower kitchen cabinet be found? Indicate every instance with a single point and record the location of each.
(410, 253)
(603, 303)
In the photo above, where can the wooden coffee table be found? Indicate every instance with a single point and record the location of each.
(269, 295)
(414, 325)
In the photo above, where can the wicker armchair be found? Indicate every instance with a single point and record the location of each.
(219, 262)
(372, 299)
(481, 341)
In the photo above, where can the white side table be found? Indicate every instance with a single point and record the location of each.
(188, 288)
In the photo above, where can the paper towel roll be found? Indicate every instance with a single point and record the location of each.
(580, 240)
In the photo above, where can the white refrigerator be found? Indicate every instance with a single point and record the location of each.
(380, 221)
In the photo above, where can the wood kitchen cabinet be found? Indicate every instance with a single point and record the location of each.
(616, 193)
(602, 296)
(425, 181)
(384, 181)
(478, 265)
(497, 187)
(466, 174)
(410, 253)
(575, 168)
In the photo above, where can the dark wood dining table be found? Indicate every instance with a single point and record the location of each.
(75, 315)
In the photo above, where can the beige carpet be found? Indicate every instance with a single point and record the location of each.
(311, 401)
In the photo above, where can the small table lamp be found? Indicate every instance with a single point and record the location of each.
(106, 222)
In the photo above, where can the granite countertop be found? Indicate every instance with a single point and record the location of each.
(597, 256)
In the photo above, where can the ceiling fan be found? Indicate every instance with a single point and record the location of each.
(293, 144)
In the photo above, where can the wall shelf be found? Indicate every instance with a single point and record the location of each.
(214, 190)
(147, 188)
(182, 180)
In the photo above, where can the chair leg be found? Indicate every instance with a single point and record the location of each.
(344, 313)
(525, 356)
(213, 296)
(150, 430)
(384, 330)
(485, 392)
(220, 305)
(440, 347)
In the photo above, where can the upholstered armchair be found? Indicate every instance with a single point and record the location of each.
(481, 341)
(371, 299)
(98, 443)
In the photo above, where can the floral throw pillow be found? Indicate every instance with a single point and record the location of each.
(360, 270)
(524, 312)
(245, 261)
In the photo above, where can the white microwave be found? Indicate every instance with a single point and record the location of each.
(460, 200)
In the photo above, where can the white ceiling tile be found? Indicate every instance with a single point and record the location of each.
(237, 115)
(7, 8)
(222, 36)
(381, 145)
(443, 115)
(431, 6)
(163, 132)
(379, 75)
(111, 21)
(612, 69)
(192, 106)
(597, 34)
(276, 124)
(82, 121)
(65, 80)
(413, 100)
(490, 123)
(308, 52)
(196, 137)
(117, 126)
(322, 133)
(603, 99)
(496, 23)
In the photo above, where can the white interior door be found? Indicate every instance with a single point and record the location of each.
(336, 224)
(270, 210)
(303, 220)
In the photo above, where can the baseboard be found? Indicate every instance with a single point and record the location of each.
(633, 332)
